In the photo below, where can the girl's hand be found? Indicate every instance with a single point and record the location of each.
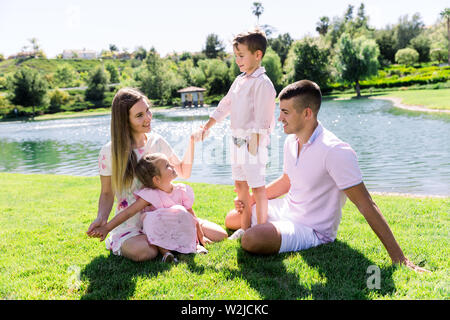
(100, 232)
(205, 240)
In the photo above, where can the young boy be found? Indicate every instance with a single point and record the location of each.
(250, 102)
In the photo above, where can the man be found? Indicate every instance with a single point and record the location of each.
(319, 172)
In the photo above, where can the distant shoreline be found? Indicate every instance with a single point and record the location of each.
(398, 104)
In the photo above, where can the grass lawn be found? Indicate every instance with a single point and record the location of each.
(428, 98)
(45, 253)
(433, 99)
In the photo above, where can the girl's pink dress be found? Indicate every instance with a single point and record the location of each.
(170, 226)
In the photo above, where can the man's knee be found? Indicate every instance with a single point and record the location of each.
(261, 239)
(249, 240)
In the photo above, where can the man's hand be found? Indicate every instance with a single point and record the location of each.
(412, 266)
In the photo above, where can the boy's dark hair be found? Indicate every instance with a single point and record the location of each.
(254, 40)
(307, 94)
(146, 169)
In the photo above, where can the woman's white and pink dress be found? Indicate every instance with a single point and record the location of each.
(133, 226)
(170, 226)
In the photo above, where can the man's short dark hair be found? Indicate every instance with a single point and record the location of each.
(306, 92)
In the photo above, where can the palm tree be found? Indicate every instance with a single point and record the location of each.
(446, 14)
(257, 10)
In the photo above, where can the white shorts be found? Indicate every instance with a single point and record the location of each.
(247, 167)
(294, 236)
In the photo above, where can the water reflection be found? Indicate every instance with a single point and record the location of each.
(397, 152)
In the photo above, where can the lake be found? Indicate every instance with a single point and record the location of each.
(397, 151)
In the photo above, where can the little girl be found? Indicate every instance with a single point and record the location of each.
(181, 228)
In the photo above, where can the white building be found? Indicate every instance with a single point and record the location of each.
(79, 54)
(192, 96)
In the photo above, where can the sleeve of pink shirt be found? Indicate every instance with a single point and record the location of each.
(342, 165)
(224, 107)
(264, 102)
(151, 196)
(188, 197)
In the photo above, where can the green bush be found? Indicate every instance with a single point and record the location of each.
(407, 56)
(58, 98)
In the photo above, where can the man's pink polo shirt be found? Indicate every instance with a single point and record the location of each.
(325, 166)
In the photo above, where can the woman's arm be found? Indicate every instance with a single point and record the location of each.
(105, 204)
(184, 167)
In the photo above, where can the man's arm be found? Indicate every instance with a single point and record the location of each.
(361, 198)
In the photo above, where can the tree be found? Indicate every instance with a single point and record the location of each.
(272, 63)
(281, 45)
(159, 78)
(406, 30)
(27, 88)
(140, 53)
(348, 16)
(356, 59)
(439, 55)
(217, 76)
(113, 72)
(361, 18)
(113, 48)
(446, 15)
(407, 56)
(322, 25)
(257, 10)
(65, 76)
(306, 60)
(422, 45)
(213, 47)
(97, 85)
(385, 40)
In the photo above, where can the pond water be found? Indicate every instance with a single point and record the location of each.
(397, 151)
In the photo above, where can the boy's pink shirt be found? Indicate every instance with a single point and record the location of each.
(250, 102)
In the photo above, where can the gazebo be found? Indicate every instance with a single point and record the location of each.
(192, 96)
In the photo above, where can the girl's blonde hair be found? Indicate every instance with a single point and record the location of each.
(147, 168)
(124, 160)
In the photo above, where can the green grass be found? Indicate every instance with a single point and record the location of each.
(433, 99)
(428, 98)
(45, 253)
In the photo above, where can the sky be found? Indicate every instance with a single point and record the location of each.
(177, 25)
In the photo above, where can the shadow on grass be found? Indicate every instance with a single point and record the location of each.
(342, 269)
(114, 277)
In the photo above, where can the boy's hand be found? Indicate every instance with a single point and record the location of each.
(200, 134)
(253, 143)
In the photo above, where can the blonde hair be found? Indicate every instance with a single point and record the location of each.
(147, 168)
(124, 160)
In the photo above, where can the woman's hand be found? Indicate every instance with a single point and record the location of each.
(100, 232)
(95, 224)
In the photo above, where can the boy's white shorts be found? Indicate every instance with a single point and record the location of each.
(247, 167)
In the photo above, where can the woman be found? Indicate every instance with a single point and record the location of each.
(130, 140)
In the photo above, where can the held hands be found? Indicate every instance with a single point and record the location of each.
(100, 232)
(200, 134)
(95, 224)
